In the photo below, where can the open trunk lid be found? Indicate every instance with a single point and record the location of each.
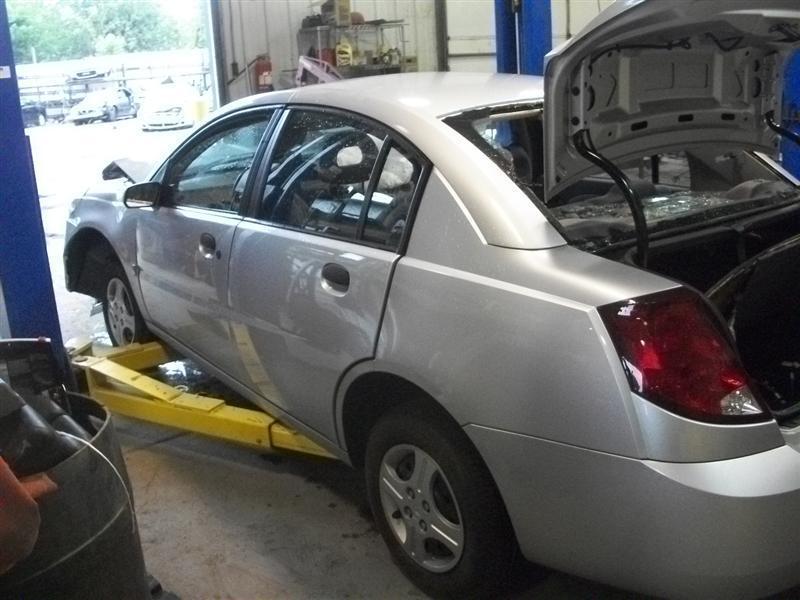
(652, 75)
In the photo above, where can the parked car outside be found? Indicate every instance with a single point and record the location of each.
(169, 106)
(104, 105)
(557, 321)
(34, 114)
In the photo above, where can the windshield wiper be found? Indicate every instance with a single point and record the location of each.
(584, 145)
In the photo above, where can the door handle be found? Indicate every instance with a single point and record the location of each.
(208, 246)
(336, 277)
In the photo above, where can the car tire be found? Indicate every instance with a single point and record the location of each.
(426, 485)
(41, 120)
(124, 321)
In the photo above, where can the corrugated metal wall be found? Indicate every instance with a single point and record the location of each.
(580, 13)
(250, 28)
(253, 27)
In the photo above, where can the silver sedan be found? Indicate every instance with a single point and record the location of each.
(552, 320)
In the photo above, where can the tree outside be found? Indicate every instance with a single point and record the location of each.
(51, 30)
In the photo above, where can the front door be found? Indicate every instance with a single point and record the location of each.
(183, 246)
(311, 265)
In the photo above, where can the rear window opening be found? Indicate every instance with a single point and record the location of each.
(723, 220)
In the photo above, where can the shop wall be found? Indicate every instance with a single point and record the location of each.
(252, 27)
(470, 28)
(471, 35)
(580, 13)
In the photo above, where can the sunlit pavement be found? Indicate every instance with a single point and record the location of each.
(67, 160)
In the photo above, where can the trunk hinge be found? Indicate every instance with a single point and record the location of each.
(584, 145)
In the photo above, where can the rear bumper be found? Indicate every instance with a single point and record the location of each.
(718, 529)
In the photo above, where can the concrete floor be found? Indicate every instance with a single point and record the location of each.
(218, 521)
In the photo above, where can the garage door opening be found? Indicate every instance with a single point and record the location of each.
(101, 81)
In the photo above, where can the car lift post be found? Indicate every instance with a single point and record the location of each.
(791, 113)
(524, 35)
(27, 301)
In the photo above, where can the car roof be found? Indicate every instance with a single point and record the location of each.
(430, 95)
(413, 105)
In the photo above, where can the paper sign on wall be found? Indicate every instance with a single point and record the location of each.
(5, 72)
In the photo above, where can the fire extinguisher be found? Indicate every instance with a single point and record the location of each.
(262, 68)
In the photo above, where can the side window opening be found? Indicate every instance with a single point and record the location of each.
(320, 172)
(213, 174)
(390, 202)
(334, 175)
(513, 139)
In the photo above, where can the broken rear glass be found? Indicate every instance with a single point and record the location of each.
(679, 189)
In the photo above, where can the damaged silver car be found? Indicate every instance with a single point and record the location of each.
(551, 320)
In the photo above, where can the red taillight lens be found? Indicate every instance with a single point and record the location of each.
(676, 355)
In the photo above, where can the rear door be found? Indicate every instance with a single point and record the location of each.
(311, 264)
(183, 246)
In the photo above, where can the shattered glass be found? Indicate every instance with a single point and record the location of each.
(600, 221)
(677, 188)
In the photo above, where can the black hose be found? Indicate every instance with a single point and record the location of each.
(769, 116)
(584, 145)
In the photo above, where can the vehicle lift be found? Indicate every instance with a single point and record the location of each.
(115, 378)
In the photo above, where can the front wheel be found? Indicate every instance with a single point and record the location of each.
(124, 321)
(436, 505)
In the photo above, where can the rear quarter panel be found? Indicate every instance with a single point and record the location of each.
(510, 339)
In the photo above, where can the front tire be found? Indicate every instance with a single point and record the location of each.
(124, 321)
(436, 505)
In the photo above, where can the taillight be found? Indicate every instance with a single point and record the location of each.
(675, 354)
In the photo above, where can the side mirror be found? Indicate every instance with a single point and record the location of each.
(142, 195)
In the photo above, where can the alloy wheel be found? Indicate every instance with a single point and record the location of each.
(119, 309)
(421, 508)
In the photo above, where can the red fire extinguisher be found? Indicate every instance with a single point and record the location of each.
(262, 69)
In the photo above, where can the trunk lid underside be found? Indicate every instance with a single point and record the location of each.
(652, 75)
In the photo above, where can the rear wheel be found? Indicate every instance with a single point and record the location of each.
(436, 505)
(124, 321)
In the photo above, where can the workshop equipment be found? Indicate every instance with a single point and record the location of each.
(88, 545)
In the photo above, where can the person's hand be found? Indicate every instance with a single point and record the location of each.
(19, 514)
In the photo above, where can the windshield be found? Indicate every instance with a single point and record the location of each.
(678, 189)
(98, 98)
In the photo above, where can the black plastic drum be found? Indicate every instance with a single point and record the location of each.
(88, 544)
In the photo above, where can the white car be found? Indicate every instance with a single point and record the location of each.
(169, 106)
